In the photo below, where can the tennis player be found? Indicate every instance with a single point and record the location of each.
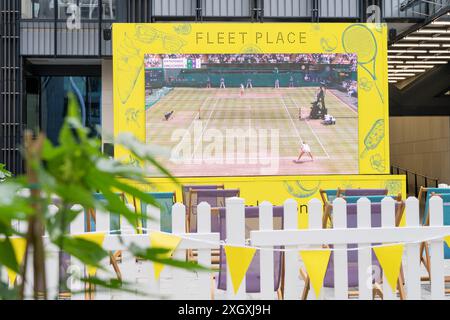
(249, 83)
(222, 83)
(277, 84)
(291, 82)
(305, 149)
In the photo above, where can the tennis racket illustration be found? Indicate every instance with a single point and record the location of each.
(374, 137)
(359, 39)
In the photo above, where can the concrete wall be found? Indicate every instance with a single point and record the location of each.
(107, 101)
(422, 145)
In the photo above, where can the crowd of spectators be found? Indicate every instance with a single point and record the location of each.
(351, 86)
(332, 58)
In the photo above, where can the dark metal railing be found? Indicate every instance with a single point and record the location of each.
(415, 180)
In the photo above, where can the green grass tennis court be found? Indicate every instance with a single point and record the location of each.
(203, 116)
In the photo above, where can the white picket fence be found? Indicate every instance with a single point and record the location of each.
(174, 283)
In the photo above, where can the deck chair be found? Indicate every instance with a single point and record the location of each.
(165, 200)
(328, 195)
(373, 199)
(185, 190)
(424, 250)
(114, 220)
(378, 195)
(352, 256)
(361, 192)
(252, 278)
(214, 197)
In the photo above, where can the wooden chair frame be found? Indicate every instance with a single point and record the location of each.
(377, 291)
(424, 249)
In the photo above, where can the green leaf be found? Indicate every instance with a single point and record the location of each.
(86, 251)
(159, 255)
(7, 255)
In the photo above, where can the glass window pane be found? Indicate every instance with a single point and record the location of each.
(38, 9)
(27, 9)
(66, 8)
(109, 9)
(89, 9)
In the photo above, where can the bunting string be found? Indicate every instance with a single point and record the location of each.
(221, 243)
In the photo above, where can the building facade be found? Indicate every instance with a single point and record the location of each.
(50, 47)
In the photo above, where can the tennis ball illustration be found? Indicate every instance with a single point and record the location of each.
(183, 29)
(251, 48)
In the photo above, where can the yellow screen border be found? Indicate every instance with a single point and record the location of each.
(132, 41)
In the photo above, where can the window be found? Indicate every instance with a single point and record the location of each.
(88, 9)
(65, 7)
(109, 9)
(38, 9)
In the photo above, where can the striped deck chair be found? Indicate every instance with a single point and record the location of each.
(114, 220)
(252, 277)
(444, 193)
(352, 256)
(351, 193)
(165, 200)
(216, 199)
(328, 195)
(186, 188)
(361, 192)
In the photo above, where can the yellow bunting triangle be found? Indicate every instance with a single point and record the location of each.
(19, 245)
(316, 264)
(163, 241)
(98, 238)
(238, 260)
(390, 258)
(447, 239)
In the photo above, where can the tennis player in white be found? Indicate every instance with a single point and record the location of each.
(305, 149)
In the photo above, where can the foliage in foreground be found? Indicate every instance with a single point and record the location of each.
(67, 174)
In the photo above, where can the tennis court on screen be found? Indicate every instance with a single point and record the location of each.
(199, 115)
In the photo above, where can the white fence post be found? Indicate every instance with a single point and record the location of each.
(291, 266)
(266, 256)
(102, 222)
(52, 268)
(365, 279)
(178, 275)
(437, 250)
(315, 217)
(204, 255)
(235, 224)
(340, 254)
(77, 225)
(412, 252)
(387, 220)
